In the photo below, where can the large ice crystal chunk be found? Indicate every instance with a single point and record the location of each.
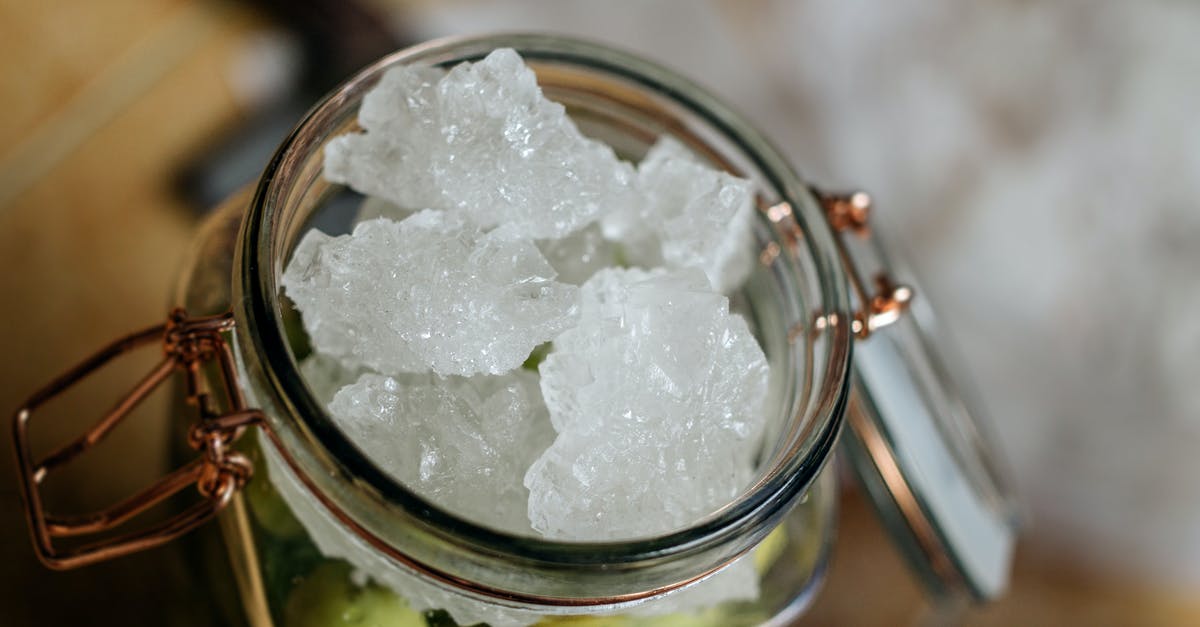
(483, 140)
(428, 293)
(657, 397)
(462, 443)
(384, 160)
(485, 208)
(701, 217)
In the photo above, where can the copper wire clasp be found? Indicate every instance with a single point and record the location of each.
(849, 214)
(881, 301)
(189, 345)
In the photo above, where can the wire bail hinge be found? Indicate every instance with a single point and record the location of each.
(881, 300)
(195, 346)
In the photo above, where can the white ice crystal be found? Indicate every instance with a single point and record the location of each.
(485, 209)
(462, 443)
(427, 293)
(660, 381)
(701, 217)
(483, 140)
(334, 541)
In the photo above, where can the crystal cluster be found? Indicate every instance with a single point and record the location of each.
(701, 217)
(495, 236)
(427, 293)
(658, 380)
(462, 443)
(480, 139)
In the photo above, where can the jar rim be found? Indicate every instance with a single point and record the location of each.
(331, 453)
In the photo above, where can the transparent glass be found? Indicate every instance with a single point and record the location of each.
(788, 511)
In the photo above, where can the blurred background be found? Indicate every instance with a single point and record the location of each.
(1039, 162)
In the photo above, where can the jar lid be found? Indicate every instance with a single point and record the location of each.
(920, 446)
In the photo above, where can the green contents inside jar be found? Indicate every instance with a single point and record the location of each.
(306, 589)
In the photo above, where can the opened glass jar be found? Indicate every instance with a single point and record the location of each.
(315, 532)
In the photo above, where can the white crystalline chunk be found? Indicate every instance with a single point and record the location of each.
(333, 540)
(462, 443)
(657, 396)
(384, 161)
(702, 217)
(427, 293)
(482, 140)
(396, 103)
(630, 222)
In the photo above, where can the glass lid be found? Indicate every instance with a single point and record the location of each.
(916, 440)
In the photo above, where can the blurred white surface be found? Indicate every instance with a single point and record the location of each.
(1040, 164)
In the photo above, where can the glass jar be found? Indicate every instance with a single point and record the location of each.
(320, 533)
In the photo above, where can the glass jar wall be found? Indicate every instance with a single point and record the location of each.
(311, 484)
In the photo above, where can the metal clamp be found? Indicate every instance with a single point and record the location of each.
(881, 301)
(189, 345)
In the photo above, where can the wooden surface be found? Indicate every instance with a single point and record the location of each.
(869, 585)
(103, 102)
